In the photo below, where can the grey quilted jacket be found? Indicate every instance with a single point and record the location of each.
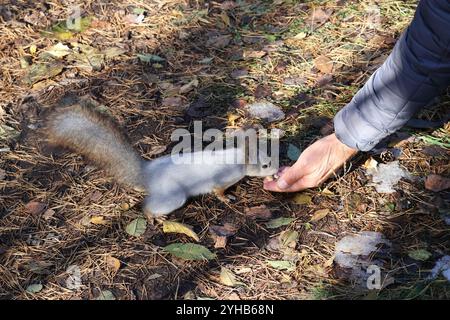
(416, 72)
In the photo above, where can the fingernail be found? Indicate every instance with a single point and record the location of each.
(282, 184)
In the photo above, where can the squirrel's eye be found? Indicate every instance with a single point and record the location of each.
(265, 166)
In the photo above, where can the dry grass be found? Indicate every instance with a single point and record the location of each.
(36, 248)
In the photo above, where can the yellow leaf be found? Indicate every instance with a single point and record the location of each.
(302, 198)
(232, 119)
(225, 19)
(324, 64)
(176, 227)
(319, 214)
(33, 49)
(228, 278)
(300, 36)
(370, 164)
(113, 263)
(327, 192)
(97, 220)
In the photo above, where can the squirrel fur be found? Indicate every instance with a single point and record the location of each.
(168, 183)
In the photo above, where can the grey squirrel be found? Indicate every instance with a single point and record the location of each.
(168, 184)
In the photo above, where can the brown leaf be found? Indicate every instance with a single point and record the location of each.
(98, 220)
(35, 207)
(324, 64)
(172, 102)
(262, 91)
(48, 214)
(324, 80)
(113, 263)
(220, 242)
(219, 42)
(253, 54)
(226, 230)
(319, 16)
(239, 73)
(239, 103)
(259, 212)
(437, 183)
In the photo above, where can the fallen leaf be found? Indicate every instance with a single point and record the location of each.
(206, 60)
(33, 49)
(323, 64)
(262, 91)
(42, 71)
(220, 242)
(278, 222)
(98, 220)
(136, 227)
(172, 102)
(282, 265)
(106, 295)
(227, 230)
(232, 117)
(302, 198)
(266, 111)
(319, 214)
(48, 214)
(259, 212)
(288, 238)
(34, 288)
(86, 57)
(240, 73)
(189, 251)
(189, 86)
(8, 133)
(319, 16)
(59, 50)
(327, 192)
(73, 282)
(199, 108)
(176, 227)
(253, 54)
(113, 263)
(419, 254)
(293, 152)
(35, 207)
(113, 52)
(219, 42)
(134, 18)
(150, 58)
(228, 278)
(370, 164)
(437, 183)
(323, 80)
(299, 36)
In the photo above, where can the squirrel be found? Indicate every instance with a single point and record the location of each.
(168, 183)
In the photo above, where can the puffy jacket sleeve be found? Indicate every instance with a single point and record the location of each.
(416, 71)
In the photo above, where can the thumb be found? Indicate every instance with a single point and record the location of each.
(289, 177)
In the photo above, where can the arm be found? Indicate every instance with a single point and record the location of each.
(414, 73)
(411, 77)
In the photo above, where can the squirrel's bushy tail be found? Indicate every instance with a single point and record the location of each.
(95, 136)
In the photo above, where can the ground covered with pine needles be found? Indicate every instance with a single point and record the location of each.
(155, 66)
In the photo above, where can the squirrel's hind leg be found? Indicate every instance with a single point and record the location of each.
(159, 205)
(220, 194)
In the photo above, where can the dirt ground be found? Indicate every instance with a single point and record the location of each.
(174, 62)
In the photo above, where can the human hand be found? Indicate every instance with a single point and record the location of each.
(316, 164)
